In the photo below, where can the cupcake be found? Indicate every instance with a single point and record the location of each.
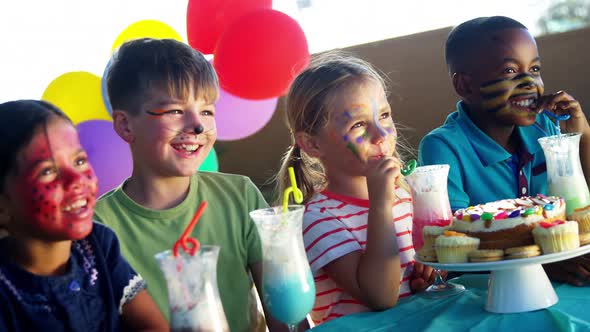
(557, 236)
(429, 234)
(453, 247)
(584, 239)
(582, 216)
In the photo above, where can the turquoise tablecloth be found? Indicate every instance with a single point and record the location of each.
(466, 313)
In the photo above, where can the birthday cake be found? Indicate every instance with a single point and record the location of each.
(508, 223)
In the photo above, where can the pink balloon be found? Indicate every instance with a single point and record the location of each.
(237, 118)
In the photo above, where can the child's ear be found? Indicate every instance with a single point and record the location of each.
(462, 84)
(123, 126)
(308, 144)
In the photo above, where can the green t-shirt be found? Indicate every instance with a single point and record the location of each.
(145, 232)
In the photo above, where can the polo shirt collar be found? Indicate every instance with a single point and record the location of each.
(488, 151)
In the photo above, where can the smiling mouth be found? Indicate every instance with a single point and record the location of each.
(187, 149)
(78, 208)
(524, 104)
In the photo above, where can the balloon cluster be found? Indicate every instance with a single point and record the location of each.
(82, 96)
(257, 52)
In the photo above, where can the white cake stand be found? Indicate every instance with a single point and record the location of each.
(516, 285)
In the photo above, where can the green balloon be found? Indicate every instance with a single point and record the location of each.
(210, 163)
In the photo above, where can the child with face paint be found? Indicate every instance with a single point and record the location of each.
(490, 141)
(344, 156)
(163, 96)
(58, 270)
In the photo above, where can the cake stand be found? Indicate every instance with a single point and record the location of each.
(516, 285)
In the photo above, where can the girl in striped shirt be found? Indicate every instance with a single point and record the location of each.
(344, 155)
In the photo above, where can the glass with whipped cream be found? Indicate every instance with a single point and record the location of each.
(431, 199)
(194, 299)
(431, 208)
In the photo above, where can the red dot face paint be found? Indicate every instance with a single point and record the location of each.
(53, 189)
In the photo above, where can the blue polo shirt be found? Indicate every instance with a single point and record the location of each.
(481, 170)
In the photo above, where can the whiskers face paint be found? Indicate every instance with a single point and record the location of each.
(174, 123)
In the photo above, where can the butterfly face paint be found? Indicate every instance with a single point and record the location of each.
(53, 187)
(366, 124)
(518, 95)
(360, 129)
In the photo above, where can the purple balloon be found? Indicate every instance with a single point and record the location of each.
(108, 154)
(237, 118)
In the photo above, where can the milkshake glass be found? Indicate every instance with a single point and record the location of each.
(565, 177)
(432, 208)
(431, 199)
(194, 299)
(287, 284)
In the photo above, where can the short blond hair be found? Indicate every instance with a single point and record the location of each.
(144, 65)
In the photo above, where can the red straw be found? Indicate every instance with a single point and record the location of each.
(184, 239)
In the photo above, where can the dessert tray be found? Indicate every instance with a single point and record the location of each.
(516, 285)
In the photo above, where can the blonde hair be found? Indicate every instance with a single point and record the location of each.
(307, 107)
(146, 65)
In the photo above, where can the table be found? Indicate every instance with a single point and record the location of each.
(466, 312)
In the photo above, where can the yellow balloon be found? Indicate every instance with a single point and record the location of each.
(78, 94)
(146, 29)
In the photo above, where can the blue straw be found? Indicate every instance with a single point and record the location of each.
(556, 117)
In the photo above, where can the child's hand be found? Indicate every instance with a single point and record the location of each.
(575, 271)
(422, 277)
(561, 103)
(381, 176)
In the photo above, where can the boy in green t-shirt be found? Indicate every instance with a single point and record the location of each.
(162, 93)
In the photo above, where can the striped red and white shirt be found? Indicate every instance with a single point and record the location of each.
(335, 225)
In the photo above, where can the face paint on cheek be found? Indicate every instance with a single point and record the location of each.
(496, 93)
(353, 149)
(42, 205)
(350, 146)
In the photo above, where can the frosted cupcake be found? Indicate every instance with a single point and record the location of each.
(557, 236)
(454, 247)
(582, 216)
(429, 234)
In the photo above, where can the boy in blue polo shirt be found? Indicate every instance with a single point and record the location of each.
(490, 141)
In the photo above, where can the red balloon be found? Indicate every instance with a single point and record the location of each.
(207, 19)
(260, 54)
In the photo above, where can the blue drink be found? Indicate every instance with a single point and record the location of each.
(289, 299)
